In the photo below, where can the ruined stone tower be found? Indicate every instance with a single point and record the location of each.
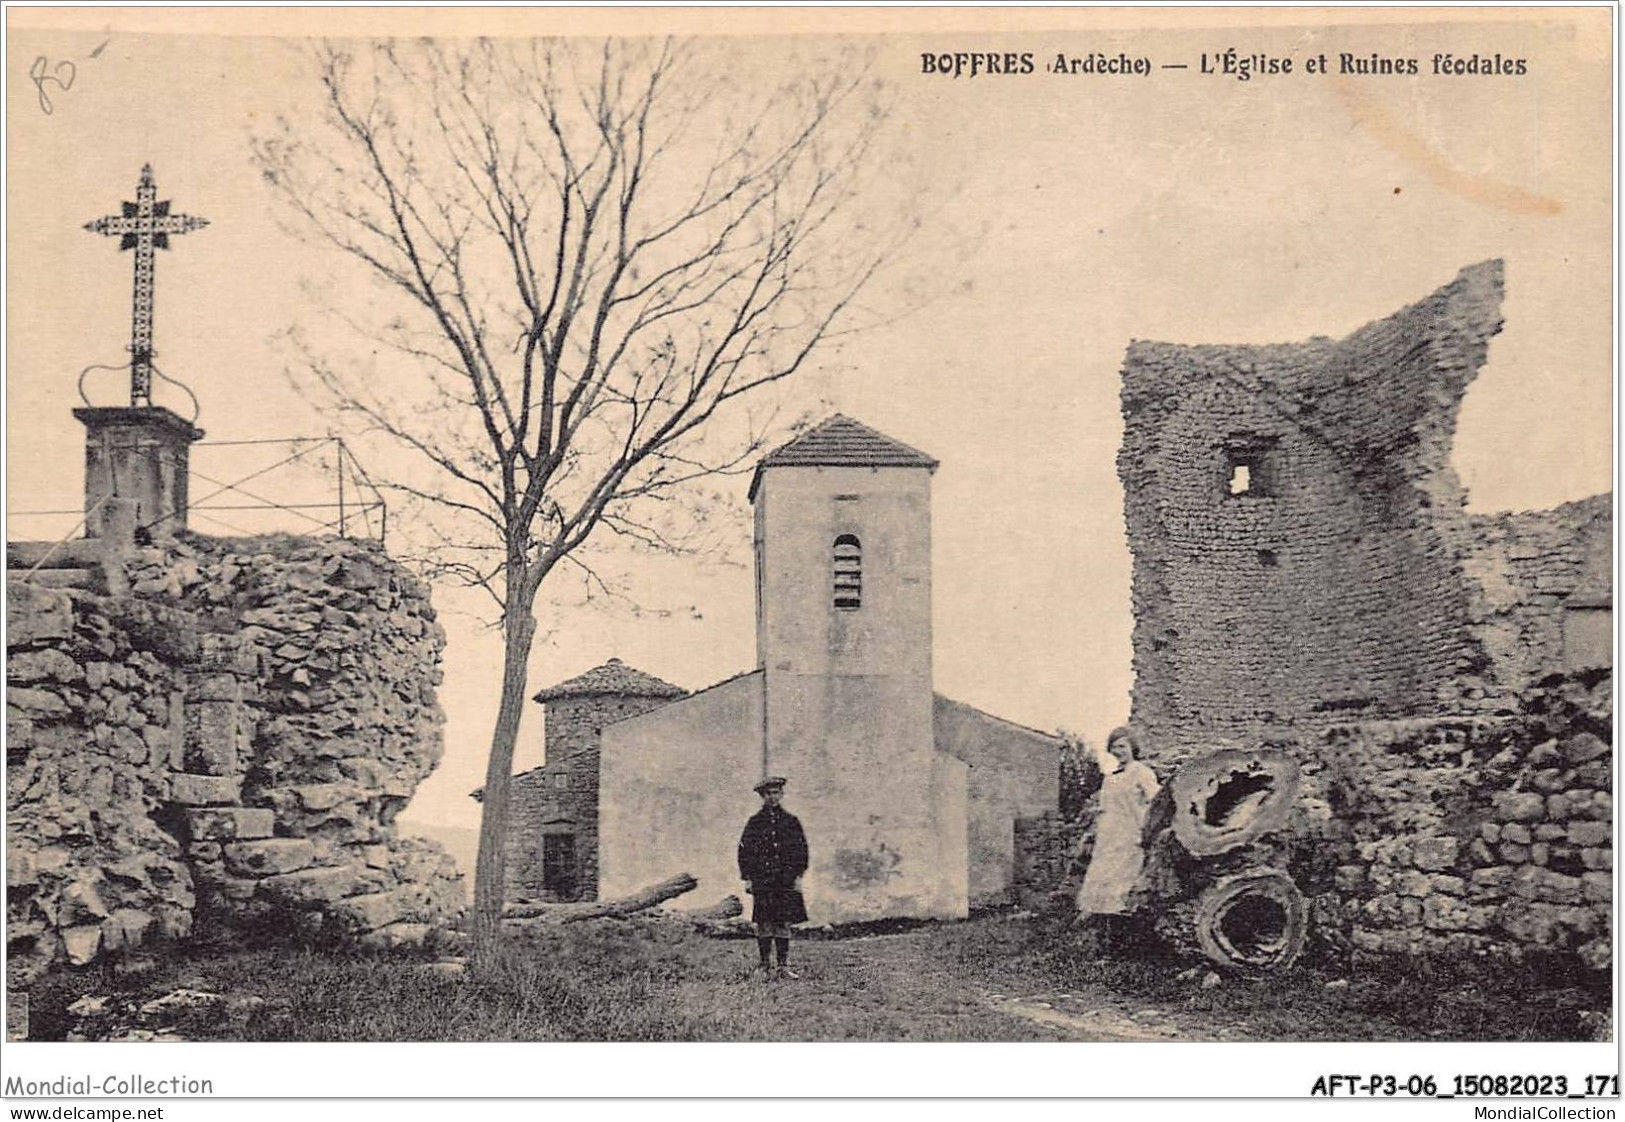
(1296, 527)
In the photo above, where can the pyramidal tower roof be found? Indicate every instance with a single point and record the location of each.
(840, 441)
(613, 677)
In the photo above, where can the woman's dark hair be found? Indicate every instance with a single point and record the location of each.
(1123, 732)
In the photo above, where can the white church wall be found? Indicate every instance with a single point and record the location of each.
(675, 791)
(1014, 772)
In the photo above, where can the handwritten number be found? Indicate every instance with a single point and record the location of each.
(63, 74)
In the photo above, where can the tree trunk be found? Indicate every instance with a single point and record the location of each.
(490, 867)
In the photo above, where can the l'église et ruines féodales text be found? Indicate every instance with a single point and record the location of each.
(1243, 66)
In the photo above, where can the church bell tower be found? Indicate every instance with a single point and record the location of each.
(843, 575)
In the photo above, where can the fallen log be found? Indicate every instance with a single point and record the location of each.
(600, 909)
(726, 908)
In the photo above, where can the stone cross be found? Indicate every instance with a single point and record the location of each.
(144, 225)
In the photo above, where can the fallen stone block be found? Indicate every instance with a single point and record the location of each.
(395, 935)
(369, 912)
(309, 887)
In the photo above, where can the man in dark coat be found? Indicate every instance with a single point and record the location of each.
(772, 857)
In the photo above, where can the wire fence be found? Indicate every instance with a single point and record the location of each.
(301, 485)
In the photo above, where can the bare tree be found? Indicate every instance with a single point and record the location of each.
(591, 252)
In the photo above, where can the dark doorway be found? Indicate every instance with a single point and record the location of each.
(559, 864)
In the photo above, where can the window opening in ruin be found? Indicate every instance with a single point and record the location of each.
(1253, 928)
(848, 573)
(1237, 799)
(1248, 468)
(559, 863)
(1268, 558)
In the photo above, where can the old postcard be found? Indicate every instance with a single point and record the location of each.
(561, 528)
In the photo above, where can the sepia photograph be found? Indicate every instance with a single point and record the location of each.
(1083, 527)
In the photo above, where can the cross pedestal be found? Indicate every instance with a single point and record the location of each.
(140, 453)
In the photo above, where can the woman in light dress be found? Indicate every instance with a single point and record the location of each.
(1125, 797)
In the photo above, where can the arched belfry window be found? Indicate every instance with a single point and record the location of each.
(848, 570)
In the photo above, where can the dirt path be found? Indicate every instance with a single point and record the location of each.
(904, 964)
(1085, 1016)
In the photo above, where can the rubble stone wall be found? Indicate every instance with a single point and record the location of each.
(95, 730)
(223, 751)
(1476, 835)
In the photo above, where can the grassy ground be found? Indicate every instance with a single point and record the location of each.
(989, 979)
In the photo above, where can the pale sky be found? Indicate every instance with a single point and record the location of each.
(1061, 218)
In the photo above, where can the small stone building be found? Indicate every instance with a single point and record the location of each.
(909, 798)
(553, 809)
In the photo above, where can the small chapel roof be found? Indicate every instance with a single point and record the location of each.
(613, 677)
(840, 441)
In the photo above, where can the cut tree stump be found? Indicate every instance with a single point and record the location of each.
(1212, 883)
(1225, 800)
(600, 909)
(1253, 921)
